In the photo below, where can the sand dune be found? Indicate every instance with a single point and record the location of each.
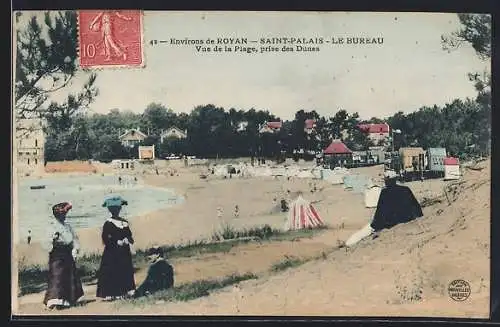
(450, 242)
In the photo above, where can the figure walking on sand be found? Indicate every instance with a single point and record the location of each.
(104, 22)
(64, 285)
(116, 273)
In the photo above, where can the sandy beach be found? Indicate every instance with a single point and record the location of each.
(450, 242)
(197, 218)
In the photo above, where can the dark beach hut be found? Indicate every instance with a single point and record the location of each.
(396, 205)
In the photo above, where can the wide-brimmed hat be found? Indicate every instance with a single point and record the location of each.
(114, 201)
(61, 208)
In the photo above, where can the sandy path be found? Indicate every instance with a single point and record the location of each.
(254, 258)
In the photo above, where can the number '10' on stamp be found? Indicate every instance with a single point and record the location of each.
(110, 38)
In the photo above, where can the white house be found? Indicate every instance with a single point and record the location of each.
(242, 126)
(309, 125)
(270, 127)
(30, 144)
(376, 132)
(173, 132)
(132, 137)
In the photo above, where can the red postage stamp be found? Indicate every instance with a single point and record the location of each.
(110, 38)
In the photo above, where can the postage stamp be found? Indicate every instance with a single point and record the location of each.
(110, 38)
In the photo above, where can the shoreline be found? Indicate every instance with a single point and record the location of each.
(85, 232)
(184, 222)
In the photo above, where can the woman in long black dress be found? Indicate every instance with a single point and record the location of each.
(64, 285)
(116, 273)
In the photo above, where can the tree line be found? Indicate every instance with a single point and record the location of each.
(46, 62)
(460, 127)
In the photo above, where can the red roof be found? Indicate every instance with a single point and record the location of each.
(337, 147)
(274, 124)
(309, 123)
(450, 161)
(374, 128)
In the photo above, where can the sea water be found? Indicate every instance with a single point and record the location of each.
(86, 194)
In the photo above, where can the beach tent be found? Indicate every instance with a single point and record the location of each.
(221, 171)
(396, 205)
(278, 171)
(305, 174)
(357, 183)
(292, 171)
(302, 215)
(247, 171)
(371, 196)
(263, 172)
(335, 176)
(317, 172)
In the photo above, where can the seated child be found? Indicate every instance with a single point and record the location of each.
(160, 274)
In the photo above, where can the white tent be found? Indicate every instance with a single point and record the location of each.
(278, 171)
(305, 174)
(263, 172)
(317, 172)
(302, 215)
(221, 171)
(371, 196)
(247, 171)
(291, 171)
(335, 176)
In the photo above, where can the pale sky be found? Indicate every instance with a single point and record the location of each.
(407, 71)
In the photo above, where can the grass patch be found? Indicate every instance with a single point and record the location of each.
(230, 233)
(288, 262)
(427, 202)
(33, 279)
(297, 234)
(292, 261)
(190, 291)
(264, 233)
(190, 250)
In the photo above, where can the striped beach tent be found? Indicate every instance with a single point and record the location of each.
(302, 215)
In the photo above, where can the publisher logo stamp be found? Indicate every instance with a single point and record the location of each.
(459, 290)
(110, 38)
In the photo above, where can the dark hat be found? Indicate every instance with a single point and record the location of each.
(156, 250)
(114, 201)
(61, 208)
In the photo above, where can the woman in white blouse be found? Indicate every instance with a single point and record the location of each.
(64, 285)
